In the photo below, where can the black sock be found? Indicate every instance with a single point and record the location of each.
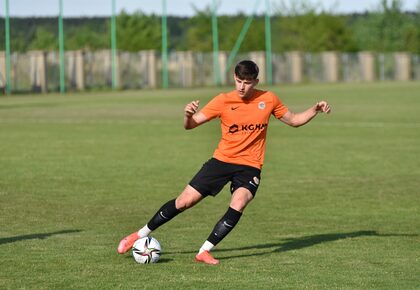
(224, 226)
(167, 212)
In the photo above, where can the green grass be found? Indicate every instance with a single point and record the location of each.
(338, 207)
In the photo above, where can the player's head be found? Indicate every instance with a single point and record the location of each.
(246, 78)
(247, 70)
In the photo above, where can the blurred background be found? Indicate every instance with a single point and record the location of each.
(63, 45)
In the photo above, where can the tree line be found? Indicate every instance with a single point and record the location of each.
(386, 29)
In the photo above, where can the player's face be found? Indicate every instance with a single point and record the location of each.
(245, 88)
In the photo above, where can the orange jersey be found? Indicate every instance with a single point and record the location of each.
(244, 125)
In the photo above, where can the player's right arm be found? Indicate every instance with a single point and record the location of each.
(193, 119)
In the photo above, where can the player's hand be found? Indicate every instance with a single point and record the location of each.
(323, 107)
(191, 108)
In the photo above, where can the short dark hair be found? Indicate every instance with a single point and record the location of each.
(247, 70)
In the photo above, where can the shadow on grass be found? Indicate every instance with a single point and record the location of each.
(305, 242)
(291, 244)
(161, 260)
(35, 236)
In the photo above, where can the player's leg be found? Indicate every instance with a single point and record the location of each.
(188, 198)
(245, 182)
(240, 199)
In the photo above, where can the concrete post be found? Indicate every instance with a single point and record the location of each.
(367, 66)
(259, 58)
(223, 56)
(151, 68)
(38, 70)
(187, 60)
(75, 69)
(402, 66)
(2, 71)
(106, 55)
(80, 71)
(294, 58)
(70, 72)
(330, 65)
(117, 69)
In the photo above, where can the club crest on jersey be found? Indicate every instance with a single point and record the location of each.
(256, 180)
(261, 105)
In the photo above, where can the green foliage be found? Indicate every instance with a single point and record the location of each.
(44, 39)
(299, 25)
(412, 38)
(138, 32)
(42, 33)
(388, 29)
(312, 32)
(86, 34)
(231, 28)
(198, 32)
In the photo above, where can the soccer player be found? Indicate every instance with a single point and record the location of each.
(244, 114)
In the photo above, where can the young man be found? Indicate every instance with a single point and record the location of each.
(244, 114)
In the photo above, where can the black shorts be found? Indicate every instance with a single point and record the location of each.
(214, 175)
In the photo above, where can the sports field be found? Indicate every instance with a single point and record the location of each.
(338, 206)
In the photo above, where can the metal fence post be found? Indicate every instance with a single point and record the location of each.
(8, 84)
(61, 47)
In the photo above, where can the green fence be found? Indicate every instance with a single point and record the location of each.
(39, 71)
(112, 68)
(15, 84)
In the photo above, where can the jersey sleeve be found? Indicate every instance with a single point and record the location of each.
(214, 108)
(279, 109)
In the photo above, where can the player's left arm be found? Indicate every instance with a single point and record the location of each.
(300, 119)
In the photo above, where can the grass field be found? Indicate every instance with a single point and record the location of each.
(338, 206)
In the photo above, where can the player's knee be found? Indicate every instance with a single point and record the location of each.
(241, 200)
(188, 198)
(183, 203)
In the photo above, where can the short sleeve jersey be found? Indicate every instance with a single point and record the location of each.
(244, 125)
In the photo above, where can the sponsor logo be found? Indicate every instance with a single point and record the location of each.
(247, 128)
(252, 184)
(234, 128)
(255, 181)
(162, 215)
(234, 108)
(227, 225)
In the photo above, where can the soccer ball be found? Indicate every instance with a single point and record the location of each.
(146, 250)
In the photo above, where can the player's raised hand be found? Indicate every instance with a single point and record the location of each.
(323, 107)
(191, 108)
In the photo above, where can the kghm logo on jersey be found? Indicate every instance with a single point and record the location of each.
(246, 128)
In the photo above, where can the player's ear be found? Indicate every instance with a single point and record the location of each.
(256, 82)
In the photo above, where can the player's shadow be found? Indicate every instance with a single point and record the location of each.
(161, 260)
(35, 236)
(304, 242)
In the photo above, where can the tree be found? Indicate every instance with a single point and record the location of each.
(308, 30)
(44, 39)
(89, 34)
(138, 31)
(387, 29)
(198, 32)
